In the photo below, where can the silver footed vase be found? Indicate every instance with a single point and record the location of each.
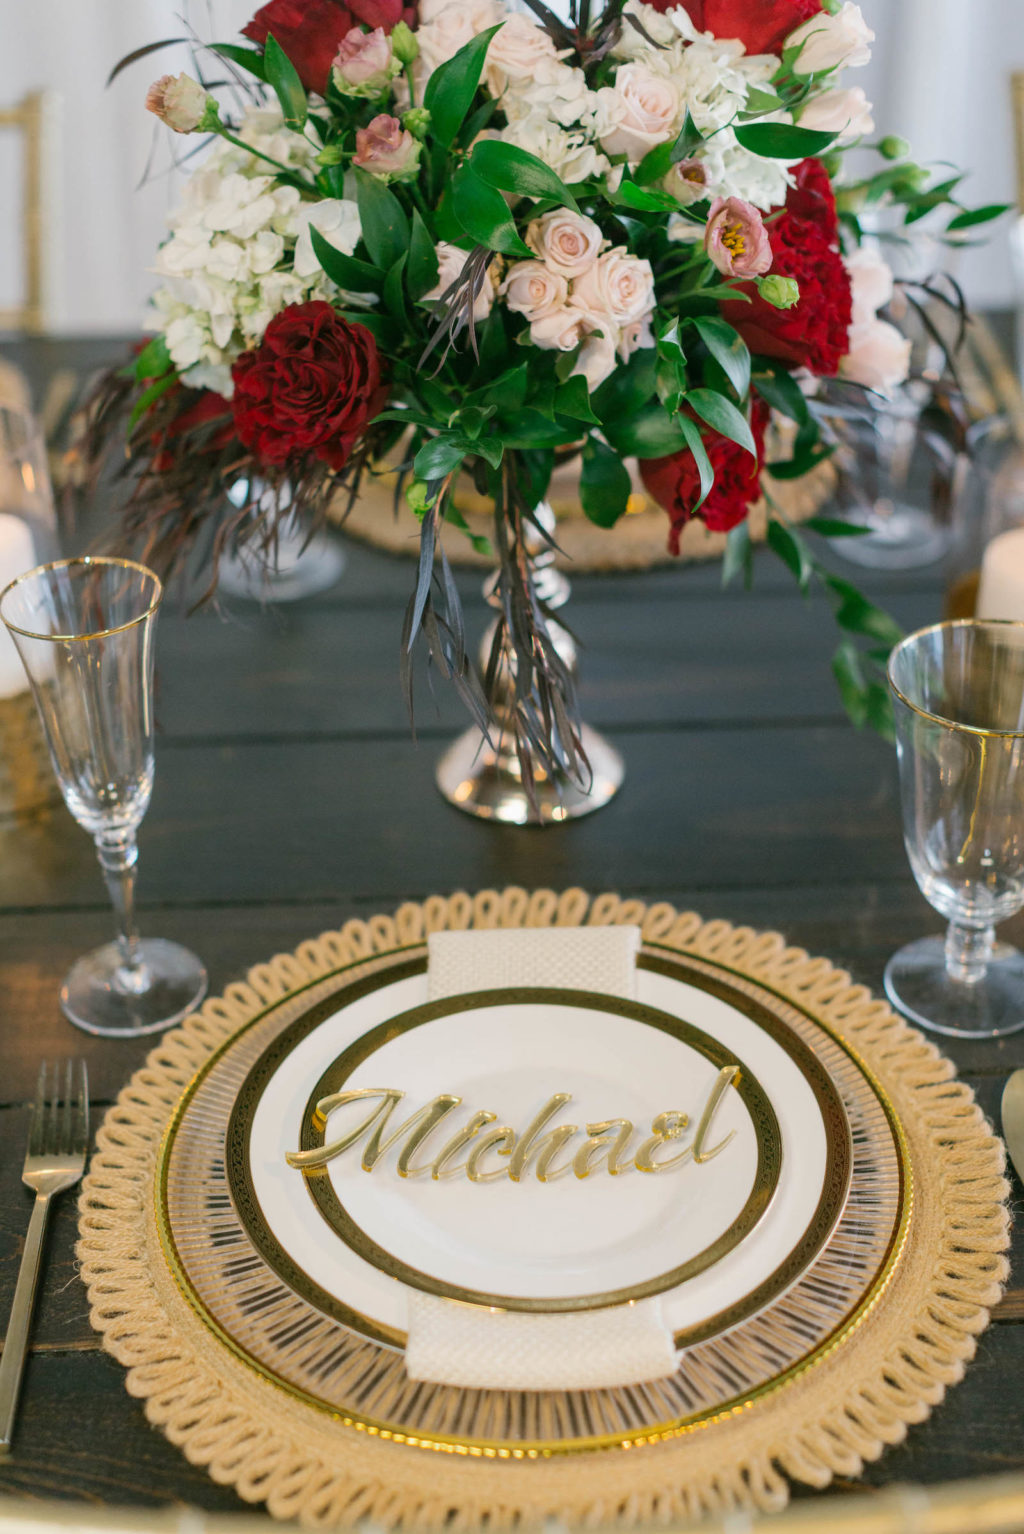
(483, 776)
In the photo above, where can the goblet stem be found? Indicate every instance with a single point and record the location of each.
(968, 952)
(118, 855)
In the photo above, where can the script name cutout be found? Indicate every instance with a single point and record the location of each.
(606, 1144)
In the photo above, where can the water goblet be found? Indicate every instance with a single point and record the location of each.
(84, 630)
(958, 697)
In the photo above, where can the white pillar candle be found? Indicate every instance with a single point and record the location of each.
(1001, 587)
(17, 554)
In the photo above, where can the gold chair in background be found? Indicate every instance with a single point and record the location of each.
(28, 119)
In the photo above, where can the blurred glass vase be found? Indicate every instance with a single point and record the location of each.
(958, 695)
(280, 566)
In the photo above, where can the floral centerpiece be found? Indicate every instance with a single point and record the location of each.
(479, 238)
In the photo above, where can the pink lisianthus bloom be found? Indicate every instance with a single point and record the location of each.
(182, 103)
(736, 239)
(386, 149)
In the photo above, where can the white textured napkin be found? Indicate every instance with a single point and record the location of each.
(465, 1345)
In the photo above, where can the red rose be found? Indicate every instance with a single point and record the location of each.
(815, 333)
(762, 26)
(674, 481)
(309, 387)
(309, 31)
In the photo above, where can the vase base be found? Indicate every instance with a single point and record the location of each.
(485, 782)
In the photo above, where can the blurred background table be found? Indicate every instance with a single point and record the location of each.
(290, 797)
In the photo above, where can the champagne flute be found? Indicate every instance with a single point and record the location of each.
(958, 695)
(84, 631)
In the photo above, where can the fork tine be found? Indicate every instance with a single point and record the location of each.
(69, 1100)
(81, 1132)
(51, 1138)
(35, 1135)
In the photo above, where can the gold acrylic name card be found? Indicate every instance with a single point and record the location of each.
(550, 1150)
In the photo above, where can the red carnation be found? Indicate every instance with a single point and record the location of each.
(762, 26)
(674, 481)
(309, 387)
(309, 31)
(815, 333)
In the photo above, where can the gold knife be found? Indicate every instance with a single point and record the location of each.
(1013, 1120)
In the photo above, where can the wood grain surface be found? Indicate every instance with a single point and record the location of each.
(289, 796)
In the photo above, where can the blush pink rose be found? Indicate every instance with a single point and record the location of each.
(736, 240)
(534, 290)
(566, 242)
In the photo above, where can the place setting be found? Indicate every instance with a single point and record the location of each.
(442, 1165)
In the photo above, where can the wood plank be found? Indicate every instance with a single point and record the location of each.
(312, 821)
(320, 671)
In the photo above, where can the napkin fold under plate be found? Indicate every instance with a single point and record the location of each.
(476, 1348)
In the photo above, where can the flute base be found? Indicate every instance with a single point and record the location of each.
(486, 781)
(919, 985)
(101, 996)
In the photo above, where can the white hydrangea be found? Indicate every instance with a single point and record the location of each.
(240, 251)
(570, 152)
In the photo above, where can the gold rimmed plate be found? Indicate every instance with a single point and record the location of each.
(787, 1287)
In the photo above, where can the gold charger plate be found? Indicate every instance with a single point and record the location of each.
(265, 1310)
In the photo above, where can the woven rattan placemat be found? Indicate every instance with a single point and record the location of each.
(858, 1396)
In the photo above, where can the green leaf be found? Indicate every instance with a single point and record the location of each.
(657, 162)
(283, 78)
(605, 485)
(800, 464)
(855, 613)
(483, 213)
(972, 216)
(762, 101)
(394, 292)
(723, 415)
(739, 555)
(791, 551)
(835, 527)
(153, 361)
(695, 442)
(355, 276)
(511, 169)
(245, 58)
(422, 269)
(650, 433)
(573, 400)
(780, 389)
(439, 457)
(849, 674)
(150, 396)
(782, 141)
(631, 196)
(728, 349)
(452, 86)
(629, 388)
(385, 226)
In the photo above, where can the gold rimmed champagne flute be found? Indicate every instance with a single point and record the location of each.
(84, 631)
(958, 697)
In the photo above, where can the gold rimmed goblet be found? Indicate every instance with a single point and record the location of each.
(84, 630)
(958, 696)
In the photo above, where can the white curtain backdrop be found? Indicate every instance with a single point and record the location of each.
(940, 76)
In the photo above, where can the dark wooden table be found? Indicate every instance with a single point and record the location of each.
(290, 797)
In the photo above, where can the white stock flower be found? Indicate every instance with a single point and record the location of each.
(871, 282)
(879, 357)
(844, 113)
(568, 151)
(641, 110)
(566, 241)
(532, 289)
(555, 90)
(337, 219)
(617, 284)
(842, 41)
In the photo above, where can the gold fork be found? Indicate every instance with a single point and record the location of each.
(55, 1160)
